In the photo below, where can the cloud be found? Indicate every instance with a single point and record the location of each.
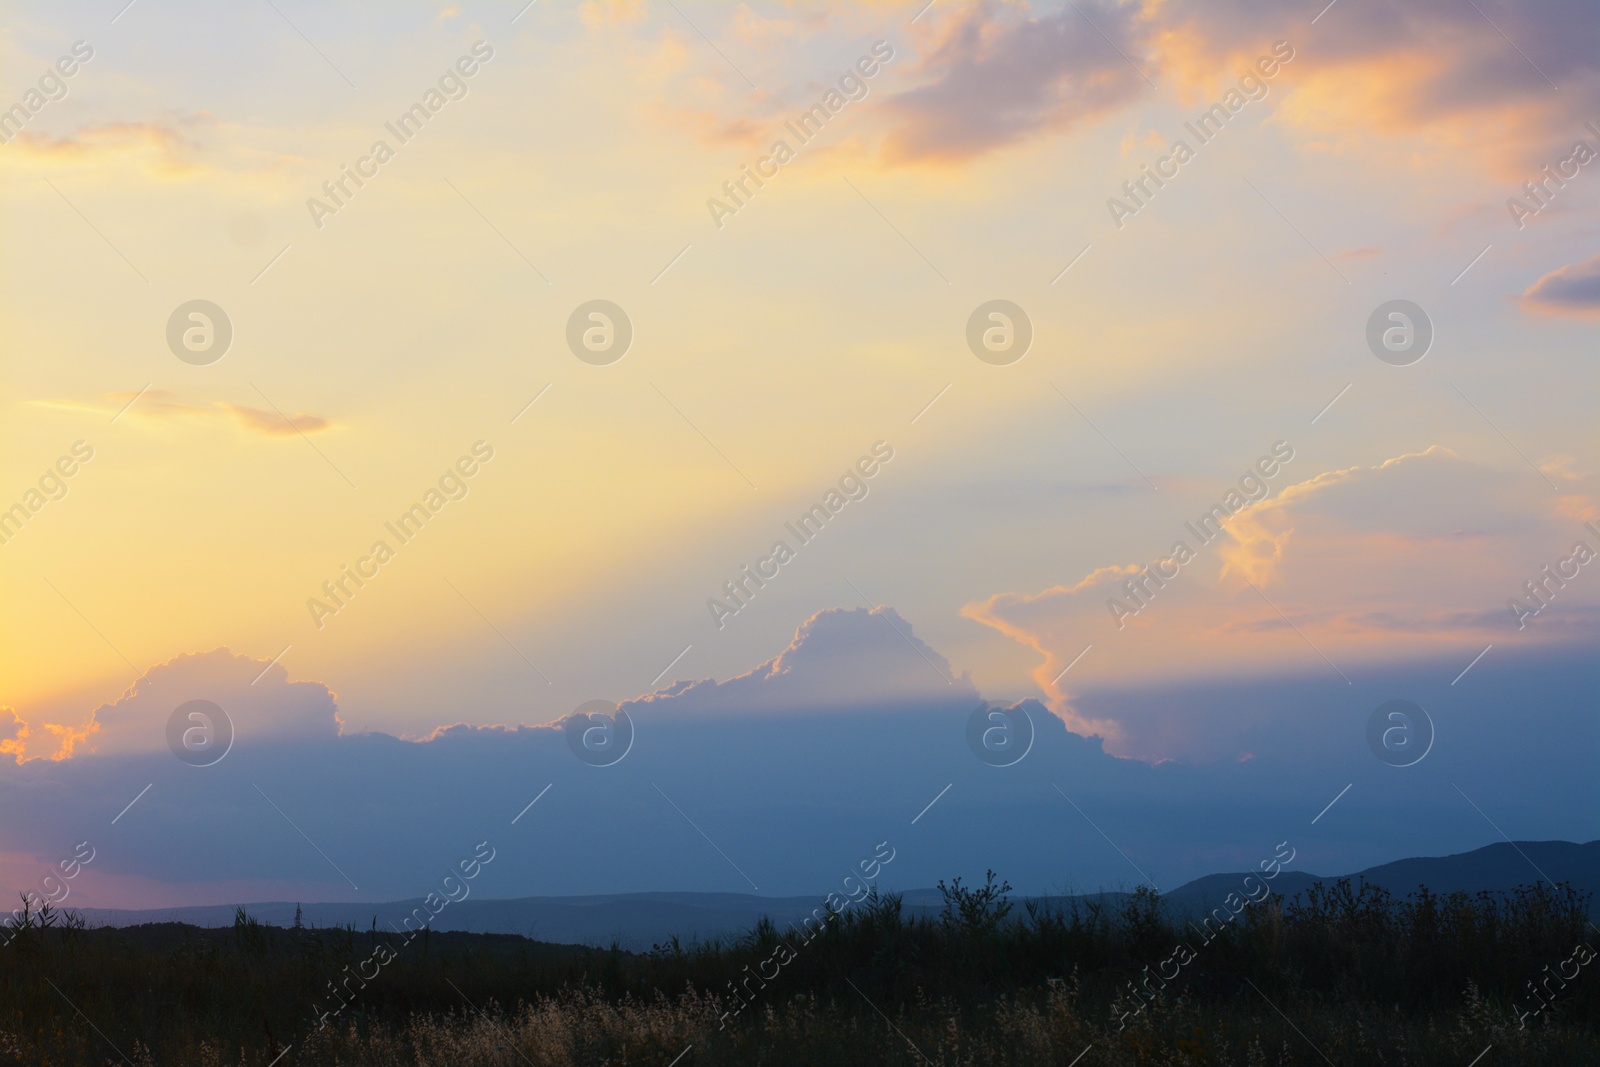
(258, 697)
(157, 404)
(756, 31)
(997, 75)
(601, 13)
(166, 148)
(1449, 71)
(173, 147)
(67, 738)
(761, 742)
(830, 646)
(1000, 76)
(840, 660)
(1338, 572)
(1571, 290)
(272, 424)
(162, 406)
(710, 126)
(13, 734)
(794, 770)
(846, 660)
(1371, 77)
(16, 734)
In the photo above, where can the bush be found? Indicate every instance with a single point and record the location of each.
(1366, 978)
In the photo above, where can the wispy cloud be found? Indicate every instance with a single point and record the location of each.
(1354, 566)
(168, 148)
(271, 424)
(164, 406)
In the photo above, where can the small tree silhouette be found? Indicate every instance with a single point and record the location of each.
(974, 911)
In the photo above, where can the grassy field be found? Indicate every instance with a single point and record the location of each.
(1342, 974)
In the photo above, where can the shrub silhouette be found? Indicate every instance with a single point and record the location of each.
(975, 912)
(1365, 977)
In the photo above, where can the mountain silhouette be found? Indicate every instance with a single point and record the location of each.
(639, 920)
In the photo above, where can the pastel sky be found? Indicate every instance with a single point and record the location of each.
(1187, 335)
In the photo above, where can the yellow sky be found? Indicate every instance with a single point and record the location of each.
(768, 353)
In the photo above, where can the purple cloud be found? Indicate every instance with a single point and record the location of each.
(1571, 290)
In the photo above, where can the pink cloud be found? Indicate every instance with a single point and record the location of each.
(1570, 290)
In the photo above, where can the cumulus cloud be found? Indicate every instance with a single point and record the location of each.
(830, 646)
(794, 770)
(759, 742)
(258, 697)
(848, 661)
(1572, 290)
(1346, 569)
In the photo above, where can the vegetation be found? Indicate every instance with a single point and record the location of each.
(1343, 974)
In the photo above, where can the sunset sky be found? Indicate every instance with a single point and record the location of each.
(1186, 336)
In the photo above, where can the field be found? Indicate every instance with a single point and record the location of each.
(1343, 974)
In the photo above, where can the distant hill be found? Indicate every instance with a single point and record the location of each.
(1493, 868)
(639, 920)
(633, 920)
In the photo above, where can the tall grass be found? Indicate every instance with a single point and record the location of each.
(1344, 973)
